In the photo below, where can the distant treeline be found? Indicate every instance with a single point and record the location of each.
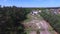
(11, 19)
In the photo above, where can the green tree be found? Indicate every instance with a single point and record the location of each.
(11, 19)
(53, 19)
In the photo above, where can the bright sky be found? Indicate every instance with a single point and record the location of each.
(31, 3)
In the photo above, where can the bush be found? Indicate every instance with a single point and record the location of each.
(53, 19)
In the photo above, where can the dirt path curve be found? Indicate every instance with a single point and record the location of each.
(45, 25)
(40, 23)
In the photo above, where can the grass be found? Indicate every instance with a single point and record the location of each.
(50, 29)
(28, 30)
(30, 17)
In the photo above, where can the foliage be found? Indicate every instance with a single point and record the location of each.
(11, 19)
(53, 19)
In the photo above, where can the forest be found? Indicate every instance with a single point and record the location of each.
(11, 19)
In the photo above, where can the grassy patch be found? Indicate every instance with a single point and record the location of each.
(51, 30)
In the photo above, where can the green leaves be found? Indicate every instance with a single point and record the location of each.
(53, 19)
(12, 18)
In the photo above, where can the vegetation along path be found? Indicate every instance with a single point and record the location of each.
(37, 25)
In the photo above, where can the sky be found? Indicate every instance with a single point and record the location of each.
(31, 3)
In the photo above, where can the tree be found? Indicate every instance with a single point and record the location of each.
(11, 19)
(53, 19)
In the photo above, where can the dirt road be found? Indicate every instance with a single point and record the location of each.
(40, 23)
(44, 26)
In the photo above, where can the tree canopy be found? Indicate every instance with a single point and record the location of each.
(11, 19)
